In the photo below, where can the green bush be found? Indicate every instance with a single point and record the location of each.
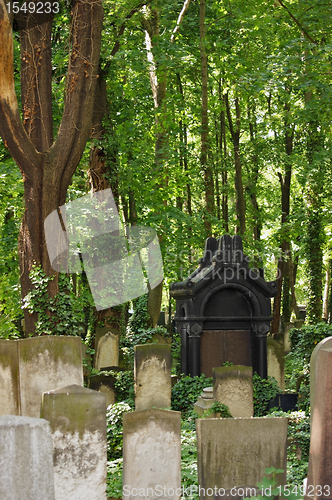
(264, 390)
(220, 408)
(186, 391)
(303, 342)
(114, 418)
(298, 434)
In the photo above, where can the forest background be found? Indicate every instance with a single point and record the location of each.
(208, 118)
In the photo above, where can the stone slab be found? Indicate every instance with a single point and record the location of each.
(152, 370)
(47, 363)
(234, 452)
(152, 455)
(78, 424)
(26, 465)
(232, 386)
(107, 348)
(9, 378)
(276, 362)
(104, 384)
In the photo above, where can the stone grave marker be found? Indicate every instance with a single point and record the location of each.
(276, 362)
(47, 363)
(234, 453)
(152, 371)
(319, 484)
(9, 374)
(152, 455)
(26, 464)
(232, 386)
(29, 367)
(104, 384)
(107, 348)
(204, 401)
(78, 425)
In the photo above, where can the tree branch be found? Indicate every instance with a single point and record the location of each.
(306, 34)
(11, 128)
(180, 18)
(66, 152)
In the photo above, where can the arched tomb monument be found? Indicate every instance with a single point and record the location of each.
(223, 310)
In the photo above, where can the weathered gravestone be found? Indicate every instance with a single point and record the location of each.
(276, 362)
(78, 424)
(29, 367)
(152, 455)
(319, 484)
(152, 370)
(104, 384)
(232, 386)
(107, 348)
(26, 465)
(9, 386)
(233, 453)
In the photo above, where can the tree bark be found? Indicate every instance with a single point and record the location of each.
(206, 167)
(235, 135)
(47, 168)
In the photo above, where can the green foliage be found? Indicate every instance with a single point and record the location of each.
(303, 341)
(124, 387)
(220, 409)
(114, 478)
(139, 319)
(114, 418)
(55, 316)
(188, 454)
(298, 434)
(186, 392)
(264, 390)
(269, 488)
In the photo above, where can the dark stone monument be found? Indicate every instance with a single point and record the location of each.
(223, 310)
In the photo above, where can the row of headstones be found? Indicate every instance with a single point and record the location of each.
(62, 455)
(78, 426)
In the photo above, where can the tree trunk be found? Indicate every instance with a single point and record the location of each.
(235, 135)
(47, 168)
(206, 168)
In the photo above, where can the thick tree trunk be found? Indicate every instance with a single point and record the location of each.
(47, 169)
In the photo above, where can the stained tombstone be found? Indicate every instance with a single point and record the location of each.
(9, 378)
(47, 363)
(276, 362)
(233, 453)
(319, 483)
(152, 371)
(106, 385)
(78, 425)
(107, 348)
(232, 386)
(26, 464)
(152, 454)
(29, 367)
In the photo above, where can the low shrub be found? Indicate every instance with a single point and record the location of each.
(114, 418)
(264, 390)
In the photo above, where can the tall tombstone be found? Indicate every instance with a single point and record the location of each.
(29, 367)
(319, 484)
(107, 348)
(26, 465)
(9, 374)
(152, 455)
(78, 424)
(152, 371)
(47, 363)
(234, 453)
(276, 362)
(232, 386)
